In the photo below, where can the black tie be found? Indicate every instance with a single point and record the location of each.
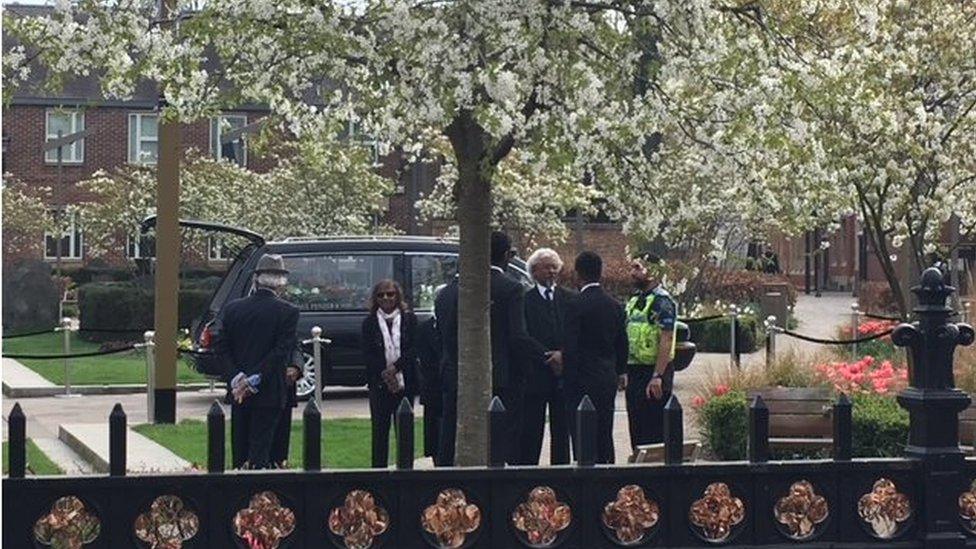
(549, 294)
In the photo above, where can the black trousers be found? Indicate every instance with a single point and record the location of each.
(282, 438)
(432, 430)
(533, 427)
(252, 432)
(603, 396)
(382, 406)
(511, 398)
(645, 416)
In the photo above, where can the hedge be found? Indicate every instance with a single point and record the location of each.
(125, 306)
(880, 427)
(712, 336)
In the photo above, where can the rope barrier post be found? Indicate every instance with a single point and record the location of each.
(770, 340)
(66, 348)
(317, 361)
(150, 344)
(855, 327)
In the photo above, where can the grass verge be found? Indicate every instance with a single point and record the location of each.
(37, 461)
(117, 369)
(346, 442)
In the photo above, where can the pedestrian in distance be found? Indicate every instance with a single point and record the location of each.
(258, 336)
(389, 350)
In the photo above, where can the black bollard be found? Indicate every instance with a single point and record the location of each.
(758, 431)
(496, 433)
(843, 430)
(215, 439)
(404, 422)
(312, 436)
(674, 432)
(116, 441)
(17, 445)
(585, 433)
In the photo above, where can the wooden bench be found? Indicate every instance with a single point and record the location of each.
(967, 430)
(799, 418)
(654, 453)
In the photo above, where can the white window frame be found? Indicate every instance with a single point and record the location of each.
(74, 235)
(217, 245)
(217, 128)
(73, 153)
(136, 120)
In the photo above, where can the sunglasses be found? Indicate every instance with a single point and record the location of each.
(386, 294)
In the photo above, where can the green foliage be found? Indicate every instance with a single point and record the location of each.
(713, 336)
(125, 306)
(723, 421)
(880, 426)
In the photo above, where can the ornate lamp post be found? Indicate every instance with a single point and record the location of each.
(934, 403)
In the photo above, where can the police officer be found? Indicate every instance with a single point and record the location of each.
(650, 314)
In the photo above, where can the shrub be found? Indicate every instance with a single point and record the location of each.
(723, 420)
(712, 336)
(127, 306)
(880, 426)
(881, 348)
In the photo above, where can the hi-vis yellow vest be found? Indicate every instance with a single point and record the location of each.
(643, 333)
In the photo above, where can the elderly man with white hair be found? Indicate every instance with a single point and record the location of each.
(546, 308)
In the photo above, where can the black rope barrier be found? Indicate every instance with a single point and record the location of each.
(882, 317)
(700, 319)
(72, 355)
(115, 330)
(837, 341)
(191, 352)
(28, 334)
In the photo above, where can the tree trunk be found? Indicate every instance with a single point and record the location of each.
(469, 142)
(881, 251)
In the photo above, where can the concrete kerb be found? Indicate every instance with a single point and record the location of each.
(91, 441)
(11, 391)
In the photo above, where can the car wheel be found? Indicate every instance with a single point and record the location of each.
(305, 385)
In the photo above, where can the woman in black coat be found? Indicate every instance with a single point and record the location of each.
(389, 349)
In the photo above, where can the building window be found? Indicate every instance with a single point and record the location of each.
(70, 241)
(356, 136)
(67, 123)
(218, 251)
(143, 138)
(140, 246)
(234, 150)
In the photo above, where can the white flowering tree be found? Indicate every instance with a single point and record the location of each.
(25, 217)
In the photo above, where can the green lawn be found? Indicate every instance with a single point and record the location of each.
(37, 462)
(345, 444)
(118, 369)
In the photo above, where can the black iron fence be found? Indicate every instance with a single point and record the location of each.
(927, 499)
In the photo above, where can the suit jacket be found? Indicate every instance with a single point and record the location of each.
(375, 355)
(258, 337)
(596, 340)
(511, 345)
(546, 322)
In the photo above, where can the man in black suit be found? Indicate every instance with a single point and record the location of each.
(511, 346)
(546, 308)
(256, 344)
(596, 352)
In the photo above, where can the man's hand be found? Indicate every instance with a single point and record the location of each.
(292, 374)
(554, 359)
(655, 388)
(622, 382)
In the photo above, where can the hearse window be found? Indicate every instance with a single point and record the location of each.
(428, 273)
(338, 282)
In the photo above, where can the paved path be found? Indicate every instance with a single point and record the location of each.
(819, 317)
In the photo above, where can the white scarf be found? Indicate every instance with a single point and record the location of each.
(391, 341)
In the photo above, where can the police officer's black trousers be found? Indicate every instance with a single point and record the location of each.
(645, 416)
